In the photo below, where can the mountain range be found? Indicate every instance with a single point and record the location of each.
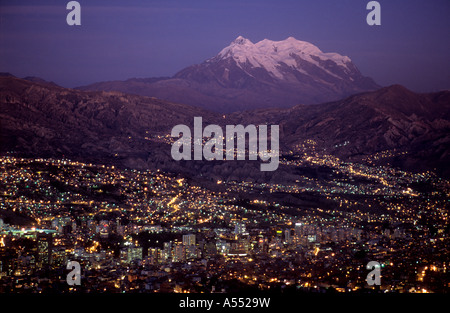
(403, 128)
(246, 75)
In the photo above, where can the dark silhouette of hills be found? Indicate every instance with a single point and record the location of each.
(42, 120)
(416, 126)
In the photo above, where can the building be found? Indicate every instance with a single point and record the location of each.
(7, 256)
(166, 253)
(154, 256)
(179, 253)
(103, 229)
(239, 229)
(189, 240)
(44, 250)
(223, 247)
(287, 236)
(134, 254)
(191, 252)
(239, 247)
(209, 250)
(299, 230)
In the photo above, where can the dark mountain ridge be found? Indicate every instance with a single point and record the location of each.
(414, 128)
(42, 120)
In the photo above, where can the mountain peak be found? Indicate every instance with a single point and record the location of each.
(280, 57)
(397, 88)
(240, 40)
(268, 73)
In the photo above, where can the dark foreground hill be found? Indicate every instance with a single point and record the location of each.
(389, 126)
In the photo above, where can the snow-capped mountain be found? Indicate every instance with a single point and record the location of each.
(247, 75)
(274, 56)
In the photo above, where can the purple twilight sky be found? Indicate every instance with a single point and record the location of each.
(124, 39)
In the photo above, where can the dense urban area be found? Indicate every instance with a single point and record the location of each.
(149, 231)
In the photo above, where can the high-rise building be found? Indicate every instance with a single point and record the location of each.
(134, 253)
(299, 229)
(239, 228)
(119, 227)
(223, 247)
(103, 228)
(191, 252)
(59, 257)
(210, 250)
(44, 249)
(287, 236)
(189, 240)
(154, 255)
(7, 256)
(91, 226)
(166, 252)
(179, 253)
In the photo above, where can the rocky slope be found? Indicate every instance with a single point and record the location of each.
(389, 126)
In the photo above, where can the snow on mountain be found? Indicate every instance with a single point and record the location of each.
(270, 54)
(246, 75)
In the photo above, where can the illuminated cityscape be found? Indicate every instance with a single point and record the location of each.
(149, 231)
(201, 155)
